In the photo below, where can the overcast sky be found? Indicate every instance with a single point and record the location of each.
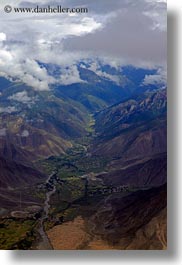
(117, 32)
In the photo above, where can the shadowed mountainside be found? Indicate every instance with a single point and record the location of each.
(151, 173)
(14, 175)
(134, 128)
(121, 220)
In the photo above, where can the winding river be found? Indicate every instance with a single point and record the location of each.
(44, 243)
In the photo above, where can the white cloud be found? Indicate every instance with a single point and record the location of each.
(158, 79)
(25, 133)
(158, 14)
(7, 109)
(23, 97)
(159, 20)
(96, 68)
(70, 75)
(2, 36)
(31, 39)
(25, 70)
(27, 39)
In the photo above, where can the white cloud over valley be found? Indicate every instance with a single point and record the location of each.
(23, 97)
(159, 78)
(118, 32)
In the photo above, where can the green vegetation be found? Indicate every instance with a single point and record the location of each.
(75, 162)
(71, 213)
(17, 234)
(38, 194)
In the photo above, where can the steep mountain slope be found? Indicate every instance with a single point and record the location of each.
(128, 222)
(94, 93)
(38, 122)
(104, 87)
(149, 173)
(14, 175)
(14, 152)
(17, 180)
(132, 129)
(132, 135)
(32, 141)
(39, 107)
(135, 111)
(43, 123)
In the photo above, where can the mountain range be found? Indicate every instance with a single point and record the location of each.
(110, 120)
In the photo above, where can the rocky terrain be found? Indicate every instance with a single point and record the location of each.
(136, 221)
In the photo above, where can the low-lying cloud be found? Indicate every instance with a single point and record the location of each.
(117, 32)
(157, 79)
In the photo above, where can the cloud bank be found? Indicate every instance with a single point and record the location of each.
(117, 32)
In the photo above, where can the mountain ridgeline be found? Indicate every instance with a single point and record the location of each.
(106, 133)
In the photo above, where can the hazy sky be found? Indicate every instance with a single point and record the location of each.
(117, 32)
